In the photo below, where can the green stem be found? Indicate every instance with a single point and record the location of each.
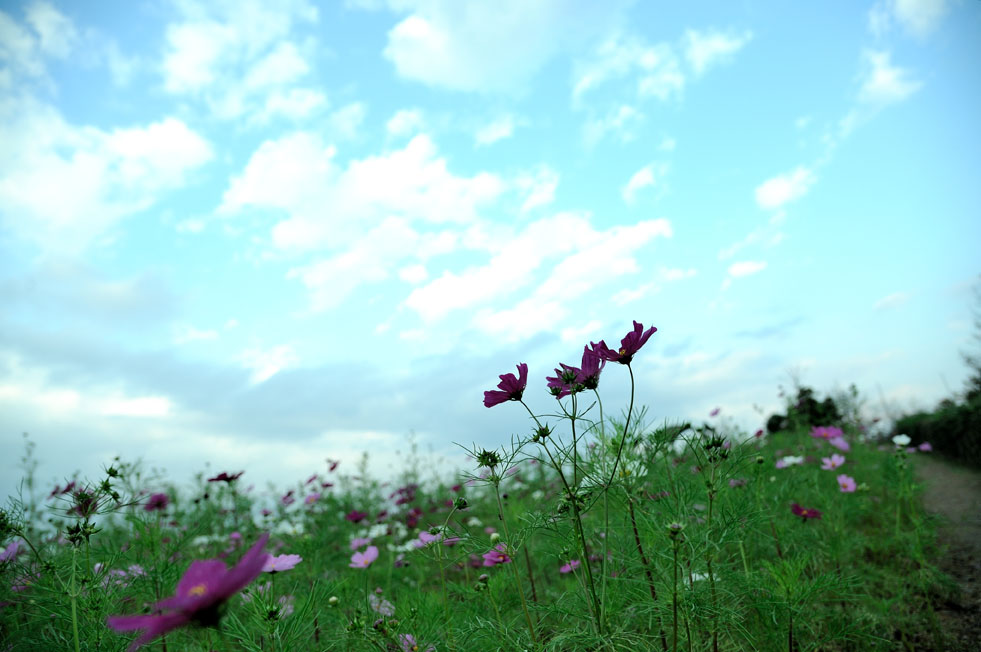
(674, 602)
(514, 567)
(74, 599)
(626, 427)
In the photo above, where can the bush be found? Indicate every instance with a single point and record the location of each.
(953, 430)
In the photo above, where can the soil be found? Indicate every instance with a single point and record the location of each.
(953, 492)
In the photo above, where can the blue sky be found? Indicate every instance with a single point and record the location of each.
(261, 234)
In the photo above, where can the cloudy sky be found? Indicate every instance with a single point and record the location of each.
(259, 237)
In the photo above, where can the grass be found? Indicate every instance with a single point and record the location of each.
(685, 538)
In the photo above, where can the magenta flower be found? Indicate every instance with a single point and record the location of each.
(569, 567)
(826, 432)
(225, 477)
(312, 498)
(592, 366)
(925, 447)
(364, 559)
(629, 345)
(425, 538)
(805, 512)
(12, 550)
(510, 388)
(281, 563)
(356, 516)
(847, 483)
(833, 462)
(156, 502)
(840, 444)
(565, 381)
(715, 412)
(496, 555)
(205, 586)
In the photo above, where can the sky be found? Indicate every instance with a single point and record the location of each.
(257, 235)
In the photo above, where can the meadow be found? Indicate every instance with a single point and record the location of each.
(596, 529)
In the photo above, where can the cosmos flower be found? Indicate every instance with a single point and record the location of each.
(496, 555)
(840, 444)
(629, 345)
(826, 432)
(833, 462)
(281, 563)
(572, 565)
(365, 558)
(901, 440)
(805, 512)
(408, 643)
(509, 389)
(156, 502)
(925, 447)
(225, 477)
(846, 483)
(203, 589)
(789, 460)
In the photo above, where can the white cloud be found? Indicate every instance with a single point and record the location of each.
(488, 47)
(345, 122)
(667, 144)
(328, 207)
(144, 406)
(893, 300)
(405, 122)
(102, 177)
(622, 121)
(918, 17)
(648, 176)
(746, 268)
(588, 331)
(540, 187)
(414, 274)
(707, 49)
(24, 48)
(295, 104)
(884, 83)
(267, 363)
(653, 68)
(501, 128)
(784, 188)
(56, 32)
(186, 333)
(236, 55)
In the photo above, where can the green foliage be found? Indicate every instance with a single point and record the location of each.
(954, 430)
(806, 410)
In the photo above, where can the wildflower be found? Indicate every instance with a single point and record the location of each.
(381, 605)
(204, 587)
(364, 559)
(572, 565)
(496, 555)
(225, 477)
(281, 563)
(12, 550)
(332, 601)
(925, 447)
(901, 440)
(355, 516)
(408, 643)
(564, 382)
(510, 388)
(312, 498)
(847, 483)
(287, 498)
(629, 345)
(826, 432)
(805, 512)
(833, 462)
(592, 366)
(737, 482)
(357, 542)
(425, 538)
(789, 460)
(156, 502)
(840, 444)
(715, 412)
(758, 433)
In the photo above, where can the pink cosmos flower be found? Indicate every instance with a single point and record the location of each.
(629, 345)
(805, 512)
(715, 412)
(281, 563)
(425, 538)
(156, 502)
(833, 462)
(364, 559)
(312, 498)
(408, 643)
(569, 567)
(826, 432)
(847, 483)
(356, 516)
(496, 555)
(381, 605)
(510, 388)
(205, 586)
(358, 542)
(840, 444)
(925, 447)
(13, 549)
(592, 366)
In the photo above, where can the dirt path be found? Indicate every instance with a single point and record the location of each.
(954, 492)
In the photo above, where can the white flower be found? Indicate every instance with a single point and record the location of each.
(901, 440)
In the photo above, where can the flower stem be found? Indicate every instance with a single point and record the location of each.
(626, 427)
(74, 599)
(514, 567)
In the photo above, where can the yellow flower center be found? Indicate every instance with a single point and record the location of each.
(200, 589)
